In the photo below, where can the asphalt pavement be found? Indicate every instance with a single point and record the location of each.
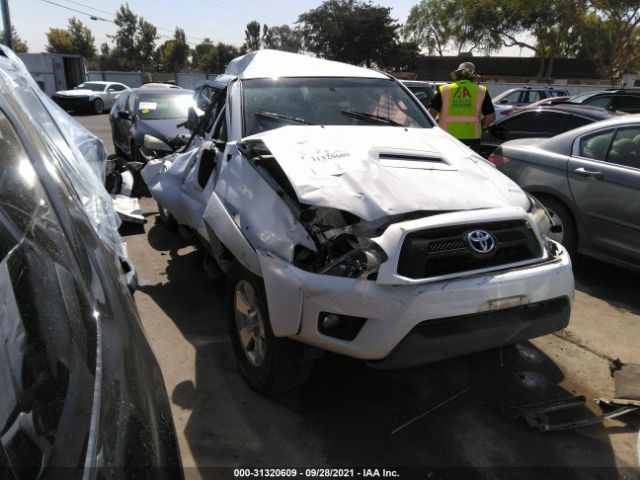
(346, 414)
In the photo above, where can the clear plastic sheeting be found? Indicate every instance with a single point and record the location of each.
(77, 154)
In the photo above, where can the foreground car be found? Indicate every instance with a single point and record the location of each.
(589, 179)
(347, 221)
(540, 122)
(91, 97)
(82, 395)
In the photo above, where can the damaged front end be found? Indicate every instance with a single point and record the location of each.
(344, 243)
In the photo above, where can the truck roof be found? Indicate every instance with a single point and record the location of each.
(274, 63)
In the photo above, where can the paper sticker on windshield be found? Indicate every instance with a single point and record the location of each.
(147, 106)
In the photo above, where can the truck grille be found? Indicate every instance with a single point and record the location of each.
(446, 250)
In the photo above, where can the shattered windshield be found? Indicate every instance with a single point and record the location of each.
(272, 103)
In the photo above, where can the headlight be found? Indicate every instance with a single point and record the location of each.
(540, 216)
(154, 143)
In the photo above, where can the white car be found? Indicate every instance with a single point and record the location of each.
(93, 97)
(347, 221)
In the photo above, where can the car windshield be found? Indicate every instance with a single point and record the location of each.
(580, 98)
(164, 107)
(271, 103)
(96, 87)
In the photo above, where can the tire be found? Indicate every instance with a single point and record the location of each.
(168, 220)
(98, 106)
(560, 214)
(268, 364)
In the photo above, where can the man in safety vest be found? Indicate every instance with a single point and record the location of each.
(463, 107)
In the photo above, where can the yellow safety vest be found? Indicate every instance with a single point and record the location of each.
(461, 109)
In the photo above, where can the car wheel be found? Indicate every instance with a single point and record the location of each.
(98, 106)
(268, 364)
(561, 216)
(168, 220)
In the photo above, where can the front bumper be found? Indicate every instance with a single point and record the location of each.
(298, 298)
(76, 104)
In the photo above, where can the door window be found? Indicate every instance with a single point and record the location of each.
(122, 101)
(512, 98)
(603, 102)
(627, 103)
(596, 146)
(536, 122)
(574, 122)
(115, 87)
(625, 148)
(533, 97)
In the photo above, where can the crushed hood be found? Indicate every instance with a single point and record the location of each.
(377, 171)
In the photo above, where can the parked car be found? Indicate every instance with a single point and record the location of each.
(517, 97)
(545, 121)
(539, 103)
(423, 91)
(346, 221)
(622, 100)
(159, 85)
(589, 180)
(146, 122)
(82, 395)
(92, 97)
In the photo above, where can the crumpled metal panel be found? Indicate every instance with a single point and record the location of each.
(258, 210)
(364, 170)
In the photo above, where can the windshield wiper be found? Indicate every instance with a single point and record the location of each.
(371, 118)
(279, 116)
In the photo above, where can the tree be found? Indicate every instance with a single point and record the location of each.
(145, 43)
(125, 52)
(282, 38)
(610, 35)
(174, 53)
(76, 39)
(402, 56)
(59, 41)
(252, 37)
(19, 45)
(82, 40)
(213, 58)
(351, 31)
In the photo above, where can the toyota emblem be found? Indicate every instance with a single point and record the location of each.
(481, 241)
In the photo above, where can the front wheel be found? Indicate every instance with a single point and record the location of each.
(98, 106)
(269, 364)
(562, 217)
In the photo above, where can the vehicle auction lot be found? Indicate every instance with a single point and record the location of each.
(345, 415)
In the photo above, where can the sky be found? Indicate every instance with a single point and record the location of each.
(219, 20)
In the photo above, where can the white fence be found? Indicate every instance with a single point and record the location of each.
(131, 79)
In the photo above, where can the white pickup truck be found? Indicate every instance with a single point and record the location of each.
(347, 221)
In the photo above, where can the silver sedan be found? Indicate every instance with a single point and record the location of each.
(589, 180)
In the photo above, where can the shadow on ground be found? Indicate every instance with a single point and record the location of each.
(612, 284)
(344, 416)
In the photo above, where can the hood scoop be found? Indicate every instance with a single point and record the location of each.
(401, 158)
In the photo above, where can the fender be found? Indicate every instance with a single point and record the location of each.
(222, 225)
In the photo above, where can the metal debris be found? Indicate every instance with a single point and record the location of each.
(441, 404)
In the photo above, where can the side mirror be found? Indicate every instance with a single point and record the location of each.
(124, 115)
(193, 120)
